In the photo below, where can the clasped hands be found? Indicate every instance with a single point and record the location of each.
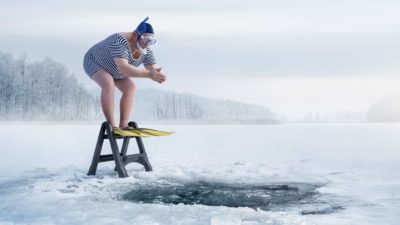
(157, 75)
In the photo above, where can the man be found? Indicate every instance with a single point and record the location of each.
(114, 61)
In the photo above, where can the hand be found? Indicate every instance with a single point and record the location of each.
(157, 75)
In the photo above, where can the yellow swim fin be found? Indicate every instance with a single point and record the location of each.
(135, 131)
(149, 132)
(154, 132)
(125, 133)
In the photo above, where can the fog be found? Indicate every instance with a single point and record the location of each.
(295, 57)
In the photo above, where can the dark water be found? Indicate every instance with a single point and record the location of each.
(263, 197)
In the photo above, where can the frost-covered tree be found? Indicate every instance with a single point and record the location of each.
(42, 90)
(153, 104)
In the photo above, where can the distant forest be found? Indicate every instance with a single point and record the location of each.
(161, 105)
(46, 90)
(42, 90)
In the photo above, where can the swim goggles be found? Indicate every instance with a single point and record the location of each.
(148, 38)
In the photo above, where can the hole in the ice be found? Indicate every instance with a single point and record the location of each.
(264, 197)
(327, 209)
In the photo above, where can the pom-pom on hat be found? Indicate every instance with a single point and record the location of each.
(144, 27)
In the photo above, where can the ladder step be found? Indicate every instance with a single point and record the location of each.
(127, 158)
(118, 137)
(105, 158)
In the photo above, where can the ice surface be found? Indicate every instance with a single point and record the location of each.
(356, 167)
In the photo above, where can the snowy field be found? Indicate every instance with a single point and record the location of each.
(352, 171)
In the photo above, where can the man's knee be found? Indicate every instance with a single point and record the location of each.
(128, 87)
(132, 86)
(104, 80)
(108, 87)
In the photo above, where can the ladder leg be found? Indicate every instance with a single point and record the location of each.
(146, 163)
(97, 151)
(115, 150)
(142, 150)
(124, 148)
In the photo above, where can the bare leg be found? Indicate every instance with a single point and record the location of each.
(128, 88)
(106, 82)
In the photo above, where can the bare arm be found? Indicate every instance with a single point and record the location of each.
(151, 71)
(151, 67)
(127, 69)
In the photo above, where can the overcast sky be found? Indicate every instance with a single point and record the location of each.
(294, 56)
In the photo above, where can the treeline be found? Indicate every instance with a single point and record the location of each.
(160, 105)
(43, 90)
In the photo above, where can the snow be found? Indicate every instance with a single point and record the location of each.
(43, 173)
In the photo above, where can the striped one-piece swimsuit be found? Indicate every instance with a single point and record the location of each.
(102, 54)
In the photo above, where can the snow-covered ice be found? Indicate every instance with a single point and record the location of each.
(355, 167)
